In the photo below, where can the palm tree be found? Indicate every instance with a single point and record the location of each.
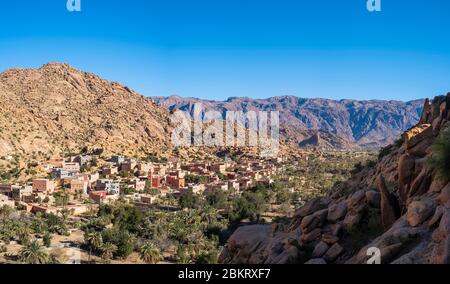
(33, 253)
(150, 253)
(93, 240)
(108, 250)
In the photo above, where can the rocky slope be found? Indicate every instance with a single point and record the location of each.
(400, 206)
(344, 123)
(56, 109)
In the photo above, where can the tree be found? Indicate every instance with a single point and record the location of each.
(150, 253)
(47, 239)
(93, 240)
(248, 205)
(189, 200)
(33, 253)
(6, 211)
(108, 250)
(217, 199)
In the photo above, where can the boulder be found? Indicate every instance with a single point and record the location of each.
(390, 208)
(445, 194)
(337, 211)
(314, 221)
(351, 220)
(356, 199)
(405, 172)
(442, 236)
(316, 261)
(421, 183)
(333, 253)
(436, 217)
(438, 184)
(320, 249)
(389, 252)
(330, 239)
(419, 211)
(311, 207)
(373, 198)
(311, 236)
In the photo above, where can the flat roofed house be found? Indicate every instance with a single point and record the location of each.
(43, 185)
(79, 185)
(110, 171)
(72, 167)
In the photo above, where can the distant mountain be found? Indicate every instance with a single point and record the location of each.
(341, 123)
(58, 109)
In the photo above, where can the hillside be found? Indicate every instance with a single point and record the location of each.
(57, 109)
(344, 123)
(399, 206)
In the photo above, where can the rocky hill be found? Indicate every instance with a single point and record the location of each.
(58, 109)
(399, 207)
(343, 123)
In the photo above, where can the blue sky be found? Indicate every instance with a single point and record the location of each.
(216, 49)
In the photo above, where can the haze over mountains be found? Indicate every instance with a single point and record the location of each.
(322, 122)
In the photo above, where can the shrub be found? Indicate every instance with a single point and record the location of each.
(440, 159)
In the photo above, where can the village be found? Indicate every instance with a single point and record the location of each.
(70, 185)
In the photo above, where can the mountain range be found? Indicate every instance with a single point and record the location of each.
(321, 122)
(57, 109)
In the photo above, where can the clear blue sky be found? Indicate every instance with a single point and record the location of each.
(259, 48)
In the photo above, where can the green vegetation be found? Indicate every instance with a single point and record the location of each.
(33, 253)
(440, 159)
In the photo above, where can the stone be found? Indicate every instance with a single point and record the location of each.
(329, 239)
(390, 208)
(438, 184)
(444, 196)
(373, 198)
(405, 171)
(333, 253)
(312, 206)
(426, 113)
(314, 221)
(436, 217)
(316, 261)
(320, 249)
(337, 212)
(442, 237)
(389, 252)
(336, 229)
(419, 211)
(351, 220)
(421, 184)
(356, 199)
(311, 236)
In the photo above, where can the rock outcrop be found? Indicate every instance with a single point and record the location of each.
(400, 207)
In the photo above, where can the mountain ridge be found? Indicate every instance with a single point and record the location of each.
(365, 123)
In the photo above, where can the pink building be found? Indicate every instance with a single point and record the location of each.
(43, 185)
(110, 171)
